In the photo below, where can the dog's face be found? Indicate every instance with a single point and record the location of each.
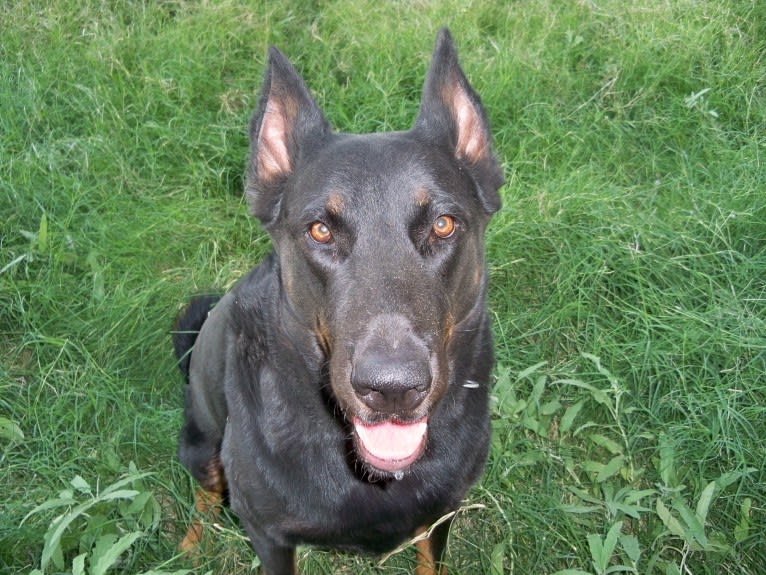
(380, 243)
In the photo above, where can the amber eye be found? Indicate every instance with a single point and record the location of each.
(320, 232)
(444, 226)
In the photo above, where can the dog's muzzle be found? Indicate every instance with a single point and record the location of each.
(391, 377)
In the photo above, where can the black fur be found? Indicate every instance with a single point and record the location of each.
(342, 385)
(187, 327)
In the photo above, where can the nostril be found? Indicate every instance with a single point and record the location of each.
(412, 398)
(391, 400)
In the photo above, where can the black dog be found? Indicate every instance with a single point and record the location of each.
(339, 393)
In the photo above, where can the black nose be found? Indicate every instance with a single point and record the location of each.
(392, 381)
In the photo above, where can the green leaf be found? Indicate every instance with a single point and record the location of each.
(585, 426)
(610, 541)
(97, 272)
(78, 565)
(672, 524)
(530, 458)
(518, 406)
(695, 530)
(611, 468)
(9, 430)
(538, 389)
(523, 374)
(146, 509)
(732, 477)
(597, 394)
(706, 497)
(124, 481)
(579, 509)
(569, 416)
(584, 495)
(57, 558)
(503, 385)
(609, 444)
(533, 424)
(121, 494)
(496, 559)
(667, 461)
(633, 511)
(107, 551)
(634, 495)
(550, 407)
(572, 572)
(52, 538)
(578, 383)
(742, 530)
(596, 547)
(50, 504)
(101, 545)
(80, 484)
(602, 398)
(591, 466)
(631, 547)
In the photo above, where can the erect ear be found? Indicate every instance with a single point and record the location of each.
(451, 113)
(286, 125)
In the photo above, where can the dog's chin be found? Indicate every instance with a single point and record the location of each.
(390, 448)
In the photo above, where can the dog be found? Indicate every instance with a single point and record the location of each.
(337, 396)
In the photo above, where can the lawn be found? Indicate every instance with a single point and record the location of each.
(628, 268)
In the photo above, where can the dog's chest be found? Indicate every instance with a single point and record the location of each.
(312, 495)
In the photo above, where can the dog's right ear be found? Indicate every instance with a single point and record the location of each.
(286, 125)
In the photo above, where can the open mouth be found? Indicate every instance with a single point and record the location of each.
(391, 446)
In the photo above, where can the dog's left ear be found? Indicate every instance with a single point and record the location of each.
(284, 130)
(451, 111)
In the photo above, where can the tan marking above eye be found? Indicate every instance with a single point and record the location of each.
(335, 204)
(320, 232)
(422, 197)
(443, 226)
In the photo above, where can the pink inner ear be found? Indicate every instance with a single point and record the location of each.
(273, 157)
(471, 138)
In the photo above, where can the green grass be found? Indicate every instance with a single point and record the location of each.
(628, 263)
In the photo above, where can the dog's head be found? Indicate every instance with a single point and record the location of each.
(380, 243)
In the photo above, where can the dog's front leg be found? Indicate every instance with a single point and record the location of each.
(430, 551)
(275, 559)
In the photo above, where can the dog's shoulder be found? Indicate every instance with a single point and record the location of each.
(250, 302)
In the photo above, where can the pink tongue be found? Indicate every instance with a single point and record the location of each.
(392, 442)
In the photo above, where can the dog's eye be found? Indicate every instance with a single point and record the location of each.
(320, 232)
(443, 226)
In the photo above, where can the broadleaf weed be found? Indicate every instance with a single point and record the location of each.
(613, 479)
(97, 524)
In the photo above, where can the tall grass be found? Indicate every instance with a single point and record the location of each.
(628, 283)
